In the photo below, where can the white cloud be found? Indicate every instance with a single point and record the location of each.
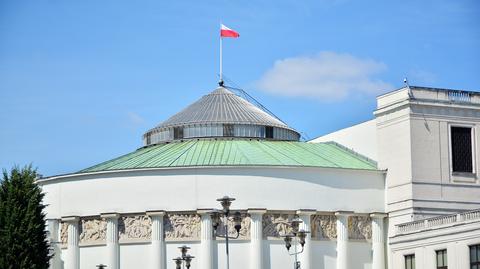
(326, 76)
(134, 118)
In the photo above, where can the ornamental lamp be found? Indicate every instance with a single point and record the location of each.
(226, 201)
(295, 224)
(215, 215)
(184, 249)
(237, 220)
(288, 241)
(188, 260)
(302, 234)
(178, 263)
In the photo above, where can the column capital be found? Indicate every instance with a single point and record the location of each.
(344, 213)
(260, 211)
(155, 213)
(306, 212)
(70, 218)
(378, 215)
(204, 211)
(111, 215)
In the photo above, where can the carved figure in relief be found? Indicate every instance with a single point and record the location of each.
(244, 231)
(135, 227)
(63, 232)
(359, 227)
(276, 225)
(324, 226)
(182, 226)
(92, 230)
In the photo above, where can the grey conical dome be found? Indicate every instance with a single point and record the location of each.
(220, 114)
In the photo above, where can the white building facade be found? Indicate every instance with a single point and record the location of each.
(381, 194)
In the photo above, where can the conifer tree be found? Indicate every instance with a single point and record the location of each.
(23, 237)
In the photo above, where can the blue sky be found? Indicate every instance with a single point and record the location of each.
(81, 81)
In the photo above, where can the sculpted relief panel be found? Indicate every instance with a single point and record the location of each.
(137, 227)
(324, 227)
(182, 226)
(359, 227)
(244, 230)
(276, 225)
(92, 230)
(63, 233)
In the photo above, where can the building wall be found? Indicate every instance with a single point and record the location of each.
(190, 189)
(361, 138)
(413, 133)
(423, 243)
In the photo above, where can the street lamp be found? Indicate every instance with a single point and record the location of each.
(216, 215)
(297, 236)
(185, 260)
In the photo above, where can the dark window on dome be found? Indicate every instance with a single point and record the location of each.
(268, 132)
(228, 130)
(461, 140)
(177, 132)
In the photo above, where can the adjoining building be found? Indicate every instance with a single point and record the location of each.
(366, 193)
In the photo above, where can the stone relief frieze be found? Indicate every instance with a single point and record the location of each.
(92, 230)
(244, 230)
(63, 232)
(359, 227)
(324, 227)
(276, 225)
(182, 226)
(137, 227)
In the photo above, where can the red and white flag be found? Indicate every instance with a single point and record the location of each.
(227, 32)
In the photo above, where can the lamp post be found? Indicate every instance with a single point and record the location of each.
(185, 260)
(226, 201)
(296, 237)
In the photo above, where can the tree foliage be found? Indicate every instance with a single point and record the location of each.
(23, 237)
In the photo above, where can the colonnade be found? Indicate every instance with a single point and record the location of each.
(206, 257)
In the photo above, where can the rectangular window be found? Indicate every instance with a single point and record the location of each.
(461, 140)
(442, 259)
(228, 130)
(475, 257)
(268, 132)
(177, 132)
(410, 261)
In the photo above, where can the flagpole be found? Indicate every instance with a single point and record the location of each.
(221, 62)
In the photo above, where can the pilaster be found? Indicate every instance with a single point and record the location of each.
(113, 258)
(206, 237)
(342, 239)
(306, 256)
(378, 240)
(53, 226)
(158, 240)
(256, 237)
(72, 260)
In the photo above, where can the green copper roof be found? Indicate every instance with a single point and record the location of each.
(237, 152)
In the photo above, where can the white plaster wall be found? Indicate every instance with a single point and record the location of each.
(361, 138)
(92, 256)
(456, 239)
(324, 254)
(189, 189)
(360, 255)
(134, 256)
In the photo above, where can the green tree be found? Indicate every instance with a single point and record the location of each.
(23, 237)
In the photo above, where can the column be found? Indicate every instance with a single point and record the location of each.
(378, 240)
(53, 232)
(158, 240)
(305, 258)
(113, 258)
(72, 259)
(206, 237)
(256, 238)
(342, 239)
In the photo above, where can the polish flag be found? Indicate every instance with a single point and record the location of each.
(227, 32)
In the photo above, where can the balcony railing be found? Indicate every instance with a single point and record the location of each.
(437, 222)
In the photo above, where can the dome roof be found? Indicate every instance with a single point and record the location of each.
(215, 110)
(222, 106)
